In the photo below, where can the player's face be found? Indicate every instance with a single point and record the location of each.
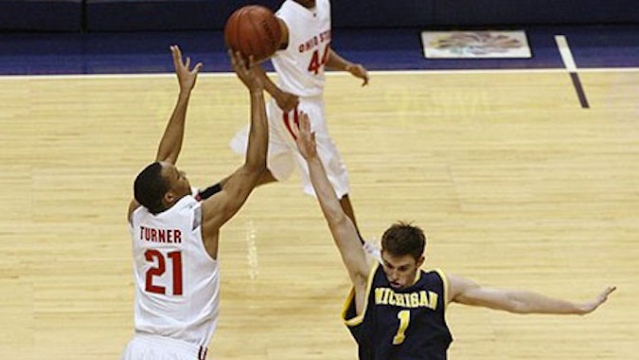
(400, 270)
(178, 183)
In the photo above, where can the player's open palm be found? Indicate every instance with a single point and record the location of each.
(305, 138)
(186, 76)
(359, 72)
(246, 72)
(600, 299)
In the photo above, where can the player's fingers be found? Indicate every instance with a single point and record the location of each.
(239, 59)
(175, 51)
(305, 121)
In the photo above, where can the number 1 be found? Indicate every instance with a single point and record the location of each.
(404, 319)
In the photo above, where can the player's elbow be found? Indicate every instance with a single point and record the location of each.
(256, 166)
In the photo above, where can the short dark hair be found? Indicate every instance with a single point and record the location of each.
(150, 186)
(404, 239)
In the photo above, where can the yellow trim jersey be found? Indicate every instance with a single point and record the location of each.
(401, 324)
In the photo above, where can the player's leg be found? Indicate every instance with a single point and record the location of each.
(345, 201)
(279, 162)
(331, 159)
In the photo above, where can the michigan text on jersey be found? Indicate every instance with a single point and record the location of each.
(423, 298)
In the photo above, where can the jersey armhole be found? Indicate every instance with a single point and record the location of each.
(442, 275)
(358, 319)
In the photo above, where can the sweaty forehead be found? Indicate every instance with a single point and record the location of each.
(397, 261)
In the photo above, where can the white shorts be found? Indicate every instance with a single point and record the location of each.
(283, 156)
(153, 347)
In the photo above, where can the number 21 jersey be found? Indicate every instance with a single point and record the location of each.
(176, 281)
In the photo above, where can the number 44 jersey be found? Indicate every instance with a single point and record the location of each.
(176, 280)
(401, 324)
(300, 67)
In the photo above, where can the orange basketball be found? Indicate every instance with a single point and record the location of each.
(253, 30)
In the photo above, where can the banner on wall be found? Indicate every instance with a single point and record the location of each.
(475, 44)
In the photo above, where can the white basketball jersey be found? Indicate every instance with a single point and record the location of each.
(300, 67)
(176, 280)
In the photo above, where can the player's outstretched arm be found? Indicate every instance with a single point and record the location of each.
(171, 143)
(341, 227)
(467, 292)
(217, 210)
(335, 61)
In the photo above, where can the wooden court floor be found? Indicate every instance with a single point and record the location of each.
(515, 184)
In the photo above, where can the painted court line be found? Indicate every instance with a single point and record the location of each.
(331, 74)
(569, 63)
(251, 247)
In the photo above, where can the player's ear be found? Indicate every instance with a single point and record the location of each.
(420, 261)
(169, 198)
(284, 38)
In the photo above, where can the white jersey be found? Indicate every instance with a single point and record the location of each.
(300, 67)
(176, 280)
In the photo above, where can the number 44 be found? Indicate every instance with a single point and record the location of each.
(316, 63)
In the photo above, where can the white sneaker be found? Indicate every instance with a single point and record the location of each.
(372, 251)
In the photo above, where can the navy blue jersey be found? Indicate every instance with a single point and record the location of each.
(406, 324)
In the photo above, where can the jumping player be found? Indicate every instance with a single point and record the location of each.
(175, 237)
(396, 310)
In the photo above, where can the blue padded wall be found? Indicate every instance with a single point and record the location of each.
(135, 15)
(45, 15)
(387, 13)
(521, 12)
(158, 15)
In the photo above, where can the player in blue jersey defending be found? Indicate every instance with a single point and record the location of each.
(396, 310)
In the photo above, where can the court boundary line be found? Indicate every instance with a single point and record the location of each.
(330, 74)
(571, 67)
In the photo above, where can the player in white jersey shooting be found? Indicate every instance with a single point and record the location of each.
(175, 236)
(304, 52)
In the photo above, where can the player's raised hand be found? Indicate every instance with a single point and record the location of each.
(305, 138)
(600, 299)
(358, 71)
(186, 76)
(247, 73)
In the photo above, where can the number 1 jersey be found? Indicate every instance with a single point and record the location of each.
(176, 280)
(401, 324)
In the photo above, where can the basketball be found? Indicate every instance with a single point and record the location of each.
(253, 30)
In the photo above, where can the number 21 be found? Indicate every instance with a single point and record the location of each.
(404, 319)
(152, 255)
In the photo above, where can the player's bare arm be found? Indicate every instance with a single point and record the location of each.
(336, 62)
(218, 209)
(171, 142)
(467, 292)
(285, 100)
(341, 227)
